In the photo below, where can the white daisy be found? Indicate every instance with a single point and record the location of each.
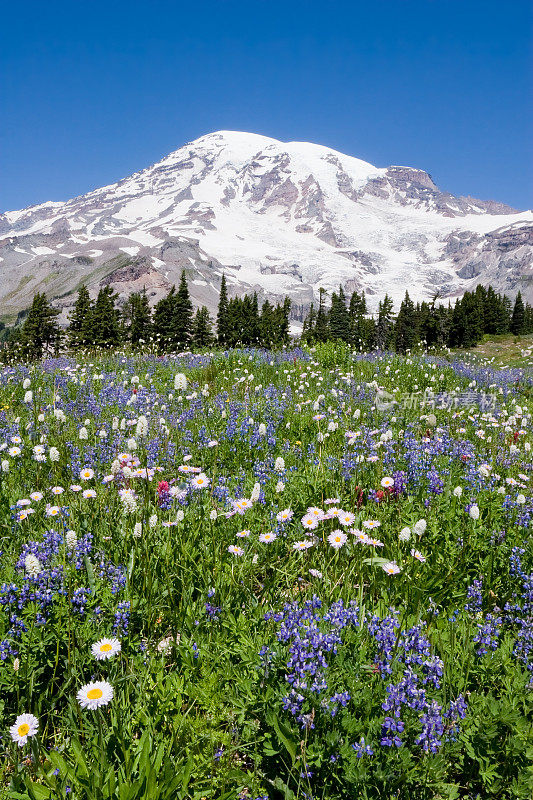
(371, 523)
(337, 539)
(26, 725)
(391, 568)
(201, 481)
(302, 545)
(235, 550)
(52, 511)
(105, 648)
(345, 517)
(267, 537)
(96, 694)
(86, 474)
(310, 522)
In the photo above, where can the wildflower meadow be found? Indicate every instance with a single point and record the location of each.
(303, 574)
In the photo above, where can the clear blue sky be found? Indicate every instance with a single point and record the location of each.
(91, 92)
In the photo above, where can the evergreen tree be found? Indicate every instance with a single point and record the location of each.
(321, 328)
(406, 329)
(267, 322)
(518, 320)
(40, 330)
(308, 327)
(79, 318)
(182, 317)
(137, 319)
(492, 313)
(284, 322)
(202, 329)
(339, 318)
(235, 328)
(385, 324)
(362, 329)
(466, 328)
(163, 320)
(102, 328)
(528, 319)
(222, 314)
(254, 323)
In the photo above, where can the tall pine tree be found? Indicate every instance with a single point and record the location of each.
(40, 331)
(182, 318)
(202, 329)
(79, 319)
(519, 317)
(222, 314)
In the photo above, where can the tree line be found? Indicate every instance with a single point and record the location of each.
(464, 324)
(174, 325)
(170, 326)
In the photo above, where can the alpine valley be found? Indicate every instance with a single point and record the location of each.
(276, 218)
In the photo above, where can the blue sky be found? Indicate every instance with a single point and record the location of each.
(91, 92)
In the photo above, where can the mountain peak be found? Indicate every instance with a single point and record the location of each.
(280, 218)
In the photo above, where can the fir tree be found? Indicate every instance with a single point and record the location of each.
(518, 319)
(102, 327)
(339, 318)
(321, 328)
(222, 314)
(308, 327)
(79, 318)
(40, 330)
(163, 320)
(406, 329)
(137, 319)
(361, 327)
(385, 323)
(528, 321)
(284, 322)
(492, 314)
(182, 317)
(202, 329)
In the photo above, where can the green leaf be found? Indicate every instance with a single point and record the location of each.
(90, 573)
(285, 735)
(39, 792)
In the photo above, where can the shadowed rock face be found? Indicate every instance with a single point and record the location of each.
(279, 218)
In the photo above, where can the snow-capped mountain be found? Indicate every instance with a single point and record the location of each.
(279, 218)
